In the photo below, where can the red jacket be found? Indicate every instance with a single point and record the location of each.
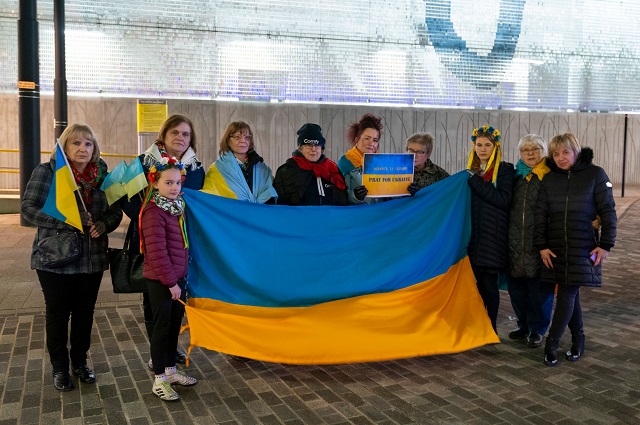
(165, 257)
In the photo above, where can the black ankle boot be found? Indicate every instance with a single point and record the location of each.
(577, 347)
(551, 351)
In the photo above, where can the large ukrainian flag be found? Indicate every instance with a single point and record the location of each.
(61, 200)
(313, 285)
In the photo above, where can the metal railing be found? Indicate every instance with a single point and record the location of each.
(14, 170)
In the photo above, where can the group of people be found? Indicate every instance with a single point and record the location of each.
(549, 221)
(558, 209)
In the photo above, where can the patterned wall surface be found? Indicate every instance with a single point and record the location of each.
(554, 55)
(275, 126)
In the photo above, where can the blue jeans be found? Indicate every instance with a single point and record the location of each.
(532, 301)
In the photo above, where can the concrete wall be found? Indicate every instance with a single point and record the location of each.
(275, 125)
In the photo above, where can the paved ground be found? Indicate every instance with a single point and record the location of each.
(500, 384)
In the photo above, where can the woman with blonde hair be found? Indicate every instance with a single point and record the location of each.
(572, 195)
(70, 287)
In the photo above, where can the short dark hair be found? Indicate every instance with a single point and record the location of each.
(357, 128)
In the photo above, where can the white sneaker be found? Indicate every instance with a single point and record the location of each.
(163, 390)
(150, 365)
(179, 378)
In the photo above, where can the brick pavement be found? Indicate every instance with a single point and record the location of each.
(500, 384)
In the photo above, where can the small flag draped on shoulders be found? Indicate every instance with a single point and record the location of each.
(134, 178)
(317, 285)
(61, 201)
(113, 186)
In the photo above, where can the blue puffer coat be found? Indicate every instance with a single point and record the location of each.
(568, 202)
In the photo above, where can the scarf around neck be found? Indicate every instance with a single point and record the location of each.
(87, 180)
(234, 179)
(324, 168)
(175, 207)
(527, 172)
(155, 151)
(355, 157)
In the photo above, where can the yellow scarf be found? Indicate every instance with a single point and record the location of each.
(355, 156)
(539, 170)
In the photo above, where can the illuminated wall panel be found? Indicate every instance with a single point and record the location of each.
(510, 54)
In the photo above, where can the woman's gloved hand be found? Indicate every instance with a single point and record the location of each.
(97, 229)
(413, 188)
(85, 218)
(360, 192)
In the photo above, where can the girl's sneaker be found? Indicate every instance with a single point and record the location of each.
(163, 390)
(179, 378)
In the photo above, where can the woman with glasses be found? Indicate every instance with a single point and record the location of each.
(425, 172)
(532, 299)
(176, 138)
(309, 177)
(240, 173)
(491, 182)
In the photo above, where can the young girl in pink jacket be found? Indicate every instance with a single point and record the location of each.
(165, 246)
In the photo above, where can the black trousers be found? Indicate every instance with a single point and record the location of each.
(167, 319)
(69, 295)
(487, 283)
(568, 312)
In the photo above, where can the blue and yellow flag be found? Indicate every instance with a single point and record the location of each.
(113, 186)
(317, 285)
(61, 201)
(134, 178)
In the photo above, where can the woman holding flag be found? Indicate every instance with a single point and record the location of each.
(240, 173)
(309, 177)
(491, 183)
(176, 138)
(70, 264)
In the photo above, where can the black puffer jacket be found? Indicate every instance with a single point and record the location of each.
(567, 204)
(524, 258)
(487, 247)
(296, 186)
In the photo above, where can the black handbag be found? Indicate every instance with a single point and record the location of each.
(126, 269)
(59, 250)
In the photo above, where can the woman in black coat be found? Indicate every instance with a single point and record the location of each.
(572, 251)
(491, 183)
(308, 177)
(531, 298)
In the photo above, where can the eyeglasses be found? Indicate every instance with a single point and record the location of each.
(238, 137)
(417, 153)
(531, 151)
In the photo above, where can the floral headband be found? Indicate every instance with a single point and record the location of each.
(487, 129)
(164, 163)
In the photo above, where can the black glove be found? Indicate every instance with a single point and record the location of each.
(100, 227)
(85, 218)
(360, 192)
(413, 188)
